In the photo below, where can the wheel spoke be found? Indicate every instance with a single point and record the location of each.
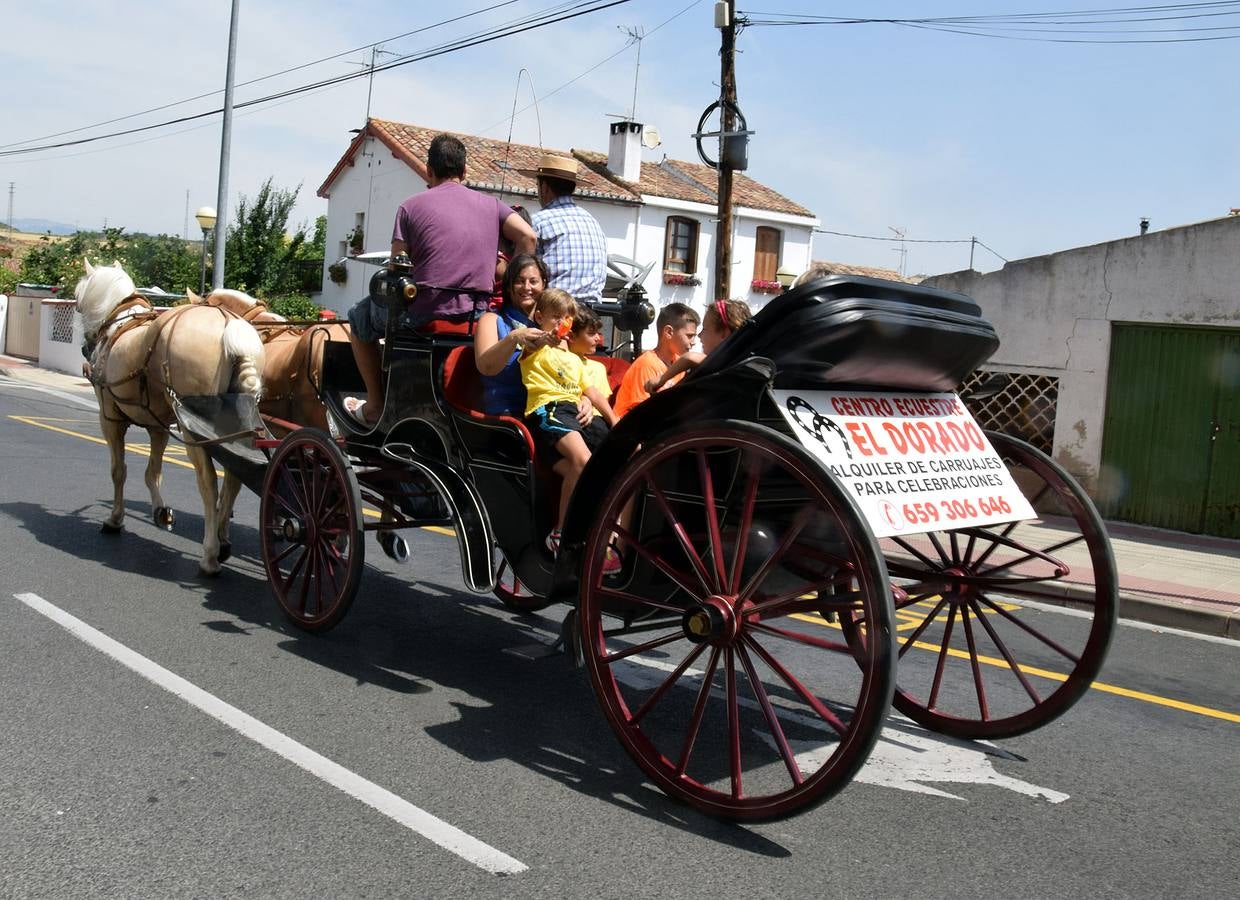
(791, 680)
(1029, 629)
(982, 708)
(301, 560)
(734, 722)
(699, 708)
(610, 658)
(742, 534)
(926, 561)
(772, 720)
(667, 683)
(772, 604)
(712, 520)
(682, 536)
(305, 579)
(640, 601)
(283, 554)
(661, 564)
(798, 637)
(934, 539)
(794, 531)
(1007, 655)
(942, 663)
(925, 623)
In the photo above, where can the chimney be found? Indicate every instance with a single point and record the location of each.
(624, 152)
(1145, 224)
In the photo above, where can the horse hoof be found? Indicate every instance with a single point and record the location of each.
(109, 528)
(208, 573)
(165, 517)
(225, 551)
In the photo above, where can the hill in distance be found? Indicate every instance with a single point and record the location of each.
(42, 226)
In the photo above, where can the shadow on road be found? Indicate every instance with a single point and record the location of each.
(406, 636)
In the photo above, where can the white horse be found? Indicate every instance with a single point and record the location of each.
(139, 361)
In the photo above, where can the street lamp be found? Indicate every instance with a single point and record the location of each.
(785, 277)
(206, 221)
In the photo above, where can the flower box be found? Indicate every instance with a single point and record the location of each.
(759, 286)
(681, 279)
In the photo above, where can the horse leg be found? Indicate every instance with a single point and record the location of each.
(163, 515)
(228, 496)
(209, 491)
(114, 434)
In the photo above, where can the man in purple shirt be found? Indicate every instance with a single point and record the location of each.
(451, 235)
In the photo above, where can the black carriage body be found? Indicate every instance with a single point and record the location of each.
(840, 332)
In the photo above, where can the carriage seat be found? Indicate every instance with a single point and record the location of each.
(483, 432)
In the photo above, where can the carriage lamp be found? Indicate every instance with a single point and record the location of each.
(206, 221)
(785, 277)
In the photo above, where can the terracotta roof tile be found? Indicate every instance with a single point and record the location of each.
(496, 164)
(865, 271)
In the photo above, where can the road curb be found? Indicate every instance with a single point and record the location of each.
(1215, 622)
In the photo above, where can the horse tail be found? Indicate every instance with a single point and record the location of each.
(242, 343)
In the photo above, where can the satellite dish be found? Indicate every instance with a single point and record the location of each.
(650, 137)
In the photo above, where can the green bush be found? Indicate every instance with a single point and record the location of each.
(293, 307)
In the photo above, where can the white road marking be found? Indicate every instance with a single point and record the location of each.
(905, 757)
(1129, 623)
(40, 389)
(396, 808)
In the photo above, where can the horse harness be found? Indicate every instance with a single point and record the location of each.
(131, 313)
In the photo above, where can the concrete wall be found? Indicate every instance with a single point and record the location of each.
(377, 183)
(60, 348)
(1053, 313)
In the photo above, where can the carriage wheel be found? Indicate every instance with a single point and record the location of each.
(510, 591)
(982, 654)
(709, 652)
(311, 528)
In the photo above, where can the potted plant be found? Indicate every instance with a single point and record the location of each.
(681, 279)
(355, 241)
(337, 272)
(758, 286)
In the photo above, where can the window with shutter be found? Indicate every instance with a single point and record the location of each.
(680, 251)
(766, 254)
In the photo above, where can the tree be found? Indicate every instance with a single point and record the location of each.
(163, 261)
(258, 255)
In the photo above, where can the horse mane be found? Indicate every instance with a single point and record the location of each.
(99, 292)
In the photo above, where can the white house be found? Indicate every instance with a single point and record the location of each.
(662, 212)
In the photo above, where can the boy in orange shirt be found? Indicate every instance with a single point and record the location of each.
(677, 327)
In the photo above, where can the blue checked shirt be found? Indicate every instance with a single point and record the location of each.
(572, 244)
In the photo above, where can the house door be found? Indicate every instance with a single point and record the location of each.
(1171, 439)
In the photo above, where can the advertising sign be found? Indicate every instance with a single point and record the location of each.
(913, 462)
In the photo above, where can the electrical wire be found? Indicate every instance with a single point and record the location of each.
(513, 28)
(900, 240)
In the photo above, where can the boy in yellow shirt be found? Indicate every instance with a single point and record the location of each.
(560, 418)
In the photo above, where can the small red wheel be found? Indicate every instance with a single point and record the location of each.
(984, 650)
(709, 652)
(513, 594)
(311, 528)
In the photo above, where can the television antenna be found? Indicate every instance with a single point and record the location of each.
(636, 34)
(902, 249)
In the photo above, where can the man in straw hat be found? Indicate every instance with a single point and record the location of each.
(570, 240)
(451, 234)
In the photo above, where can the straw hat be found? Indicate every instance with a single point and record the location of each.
(552, 166)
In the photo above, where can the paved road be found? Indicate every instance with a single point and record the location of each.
(111, 785)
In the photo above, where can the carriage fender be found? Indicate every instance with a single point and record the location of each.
(734, 393)
(473, 529)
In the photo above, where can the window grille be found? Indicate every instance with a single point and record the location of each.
(62, 324)
(1024, 408)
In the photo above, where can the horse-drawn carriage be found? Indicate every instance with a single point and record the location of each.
(808, 507)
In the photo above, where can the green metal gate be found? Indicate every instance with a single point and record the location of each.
(1171, 439)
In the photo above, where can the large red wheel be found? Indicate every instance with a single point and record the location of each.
(512, 593)
(709, 651)
(311, 528)
(1002, 628)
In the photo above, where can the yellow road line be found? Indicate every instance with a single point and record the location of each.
(1056, 676)
(816, 620)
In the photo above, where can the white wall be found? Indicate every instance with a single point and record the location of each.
(1053, 314)
(61, 351)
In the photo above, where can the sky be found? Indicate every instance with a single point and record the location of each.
(1030, 147)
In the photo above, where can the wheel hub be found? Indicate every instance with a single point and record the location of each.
(292, 530)
(713, 621)
(957, 589)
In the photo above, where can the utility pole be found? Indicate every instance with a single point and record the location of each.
(221, 200)
(725, 21)
(185, 227)
(11, 208)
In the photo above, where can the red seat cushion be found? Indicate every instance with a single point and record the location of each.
(616, 367)
(462, 390)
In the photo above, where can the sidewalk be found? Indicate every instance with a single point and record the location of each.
(1166, 578)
